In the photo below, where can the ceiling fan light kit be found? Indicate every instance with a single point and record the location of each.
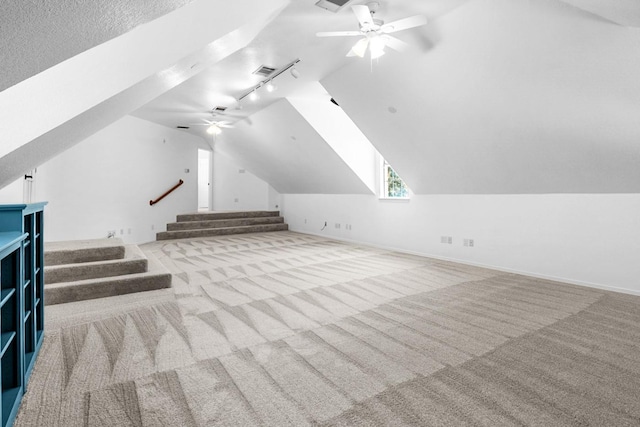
(375, 32)
(214, 130)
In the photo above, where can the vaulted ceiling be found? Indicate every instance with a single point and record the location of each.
(496, 96)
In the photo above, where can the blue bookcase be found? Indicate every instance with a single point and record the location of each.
(21, 301)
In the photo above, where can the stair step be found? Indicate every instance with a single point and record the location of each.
(73, 252)
(209, 216)
(133, 262)
(207, 232)
(158, 277)
(220, 223)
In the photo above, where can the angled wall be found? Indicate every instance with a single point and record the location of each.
(280, 147)
(535, 97)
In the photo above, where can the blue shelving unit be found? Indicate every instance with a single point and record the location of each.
(21, 300)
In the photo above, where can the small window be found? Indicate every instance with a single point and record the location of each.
(393, 187)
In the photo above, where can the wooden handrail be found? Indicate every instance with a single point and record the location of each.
(153, 202)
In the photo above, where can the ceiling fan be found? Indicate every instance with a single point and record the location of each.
(375, 31)
(214, 127)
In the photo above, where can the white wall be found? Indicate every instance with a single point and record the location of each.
(12, 193)
(235, 188)
(106, 182)
(578, 238)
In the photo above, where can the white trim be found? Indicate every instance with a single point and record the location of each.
(395, 199)
(489, 266)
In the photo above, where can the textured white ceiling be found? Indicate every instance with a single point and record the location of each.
(37, 34)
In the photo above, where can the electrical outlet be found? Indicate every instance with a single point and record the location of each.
(347, 227)
(152, 227)
(337, 225)
(305, 220)
(121, 231)
(236, 200)
(446, 239)
(468, 242)
(128, 231)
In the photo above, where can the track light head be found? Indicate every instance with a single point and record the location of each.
(295, 73)
(271, 86)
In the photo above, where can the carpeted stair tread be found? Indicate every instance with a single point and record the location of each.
(220, 223)
(157, 277)
(207, 232)
(77, 251)
(133, 262)
(209, 216)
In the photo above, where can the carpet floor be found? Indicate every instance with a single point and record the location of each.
(287, 329)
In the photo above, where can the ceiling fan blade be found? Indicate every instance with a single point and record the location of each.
(395, 43)
(338, 33)
(404, 24)
(363, 15)
(360, 48)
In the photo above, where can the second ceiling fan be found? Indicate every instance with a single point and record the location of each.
(376, 32)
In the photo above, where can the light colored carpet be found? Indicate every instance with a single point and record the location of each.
(285, 329)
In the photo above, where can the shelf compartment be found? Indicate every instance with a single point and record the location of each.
(10, 404)
(5, 340)
(6, 294)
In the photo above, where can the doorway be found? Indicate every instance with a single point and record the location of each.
(204, 180)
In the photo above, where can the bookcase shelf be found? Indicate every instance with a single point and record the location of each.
(21, 306)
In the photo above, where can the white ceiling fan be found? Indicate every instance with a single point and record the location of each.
(214, 127)
(376, 32)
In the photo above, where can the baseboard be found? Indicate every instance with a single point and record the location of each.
(477, 264)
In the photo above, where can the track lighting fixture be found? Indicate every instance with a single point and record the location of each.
(252, 94)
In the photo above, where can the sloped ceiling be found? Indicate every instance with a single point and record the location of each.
(280, 147)
(531, 97)
(59, 107)
(36, 35)
(622, 12)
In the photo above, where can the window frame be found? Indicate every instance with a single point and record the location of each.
(384, 183)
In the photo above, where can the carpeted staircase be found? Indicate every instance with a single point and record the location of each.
(206, 224)
(81, 270)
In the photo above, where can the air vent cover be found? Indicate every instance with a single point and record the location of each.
(220, 109)
(332, 5)
(182, 127)
(264, 71)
